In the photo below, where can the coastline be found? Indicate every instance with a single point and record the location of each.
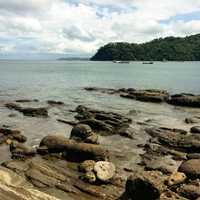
(137, 142)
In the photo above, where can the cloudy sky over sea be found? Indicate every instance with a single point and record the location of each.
(79, 27)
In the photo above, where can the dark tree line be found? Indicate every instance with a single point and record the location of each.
(169, 48)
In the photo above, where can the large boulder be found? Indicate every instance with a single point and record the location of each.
(73, 150)
(145, 185)
(191, 168)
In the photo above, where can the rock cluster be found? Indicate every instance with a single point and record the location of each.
(28, 111)
(152, 95)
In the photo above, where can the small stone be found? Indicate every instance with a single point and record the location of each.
(8, 141)
(90, 177)
(104, 170)
(87, 166)
(176, 178)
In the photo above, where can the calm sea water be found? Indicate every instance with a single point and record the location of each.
(60, 79)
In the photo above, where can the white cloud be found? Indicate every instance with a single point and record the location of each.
(60, 26)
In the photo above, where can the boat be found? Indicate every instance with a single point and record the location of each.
(148, 63)
(121, 62)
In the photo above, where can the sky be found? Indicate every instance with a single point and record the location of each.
(68, 28)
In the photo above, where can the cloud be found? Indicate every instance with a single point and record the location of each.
(82, 26)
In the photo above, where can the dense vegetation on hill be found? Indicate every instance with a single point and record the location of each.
(169, 48)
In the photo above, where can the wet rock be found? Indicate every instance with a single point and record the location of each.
(164, 164)
(104, 170)
(27, 100)
(176, 178)
(87, 166)
(104, 123)
(156, 96)
(73, 150)
(191, 168)
(176, 138)
(28, 111)
(20, 151)
(55, 103)
(192, 120)
(193, 156)
(11, 134)
(83, 133)
(191, 190)
(145, 185)
(195, 129)
(189, 100)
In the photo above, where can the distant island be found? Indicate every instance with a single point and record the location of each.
(74, 59)
(162, 49)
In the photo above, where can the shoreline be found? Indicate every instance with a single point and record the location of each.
(135, 141)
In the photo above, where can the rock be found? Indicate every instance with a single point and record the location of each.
(189, 100)
(145, 185)
(164, 164)
(90, 177)
(191, 168)
(191, 190)
(55, 103)
(26, 100)
(104, 123)
(104, 170)
(74, 151)
(13, 186)
(7, 134)
(175, 138)
(87, 166)
(195, 129)
(156, 96)
(193, 120)
(169, 195)
(27, 111)
(176, 178)
(193, 156)
(83, 133)
(21, 151)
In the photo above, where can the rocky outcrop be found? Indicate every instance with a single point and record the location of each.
(156, 96)
(72, 150)
(28, 111)
(104, 123)
(175, 138)
(189, 100)
(152, 95)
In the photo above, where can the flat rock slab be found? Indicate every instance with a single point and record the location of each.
(57, 177)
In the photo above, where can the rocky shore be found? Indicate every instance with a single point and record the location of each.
(82, 165)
